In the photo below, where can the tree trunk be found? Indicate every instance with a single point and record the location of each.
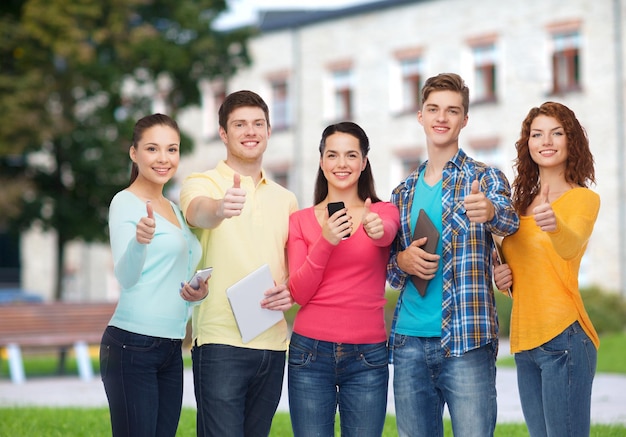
(58, 286)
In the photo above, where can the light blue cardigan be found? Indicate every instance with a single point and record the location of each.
(150, 274)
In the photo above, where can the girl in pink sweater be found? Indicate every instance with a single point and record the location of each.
(337, 268)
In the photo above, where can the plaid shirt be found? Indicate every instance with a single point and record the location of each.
(469, 318)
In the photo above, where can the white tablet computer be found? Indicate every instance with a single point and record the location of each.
(245, 298)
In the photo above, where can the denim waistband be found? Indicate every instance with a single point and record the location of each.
(124, 331)
(332, 348)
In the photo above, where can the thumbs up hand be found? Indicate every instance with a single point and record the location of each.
(372, 223)
(146, 226)
(543, 213)
(478, 207)
(233, 200)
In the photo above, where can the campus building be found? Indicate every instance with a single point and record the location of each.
(367, 64)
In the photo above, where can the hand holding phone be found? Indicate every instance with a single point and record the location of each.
(333, 207)
(201, 275)
(500, 258)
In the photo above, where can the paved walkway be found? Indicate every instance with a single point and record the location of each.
(608, 398)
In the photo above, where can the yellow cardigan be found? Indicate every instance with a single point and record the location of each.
(545, 265)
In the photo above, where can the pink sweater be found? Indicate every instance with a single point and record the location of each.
(341, 289)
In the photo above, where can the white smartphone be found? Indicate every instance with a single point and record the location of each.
(201, 275)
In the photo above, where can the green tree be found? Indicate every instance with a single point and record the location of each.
(75, 76)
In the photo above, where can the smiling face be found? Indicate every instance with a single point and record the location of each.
(245, 136)
(547, 143)
(342, 161)
(157, 154)
(443, 117)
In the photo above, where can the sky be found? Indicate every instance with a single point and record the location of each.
(245, 11)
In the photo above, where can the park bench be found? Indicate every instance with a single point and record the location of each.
(57, 325)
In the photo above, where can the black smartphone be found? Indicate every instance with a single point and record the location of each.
(333, 207)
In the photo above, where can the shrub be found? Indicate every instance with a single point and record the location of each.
(503, 305)
(606, 310)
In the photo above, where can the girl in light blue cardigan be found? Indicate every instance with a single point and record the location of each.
(154, 254)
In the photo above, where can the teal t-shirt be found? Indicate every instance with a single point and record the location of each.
(421, 316)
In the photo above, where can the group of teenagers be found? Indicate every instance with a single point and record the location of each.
(443, 344)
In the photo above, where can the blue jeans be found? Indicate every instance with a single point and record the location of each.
(143, 380)
(424, 380)
(237, 389)
(324, 375)
(555, 382)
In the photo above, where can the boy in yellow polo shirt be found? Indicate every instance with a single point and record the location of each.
(242, 221)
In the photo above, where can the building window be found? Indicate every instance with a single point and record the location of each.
(218, 98)
(409, 160)
(566, 62)
(412, 74)
(212, 94)
(214, 102)
(342, 94)
(488, 150)
(409, 165)
(484, 57)
(280, 105)
(279, 174)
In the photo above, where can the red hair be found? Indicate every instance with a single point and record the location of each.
(579, 168)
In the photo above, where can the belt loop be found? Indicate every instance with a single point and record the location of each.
(316, 346)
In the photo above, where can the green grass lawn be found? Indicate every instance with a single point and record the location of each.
(94, 422)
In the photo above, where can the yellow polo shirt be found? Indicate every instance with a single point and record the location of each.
(235, 248)
(545, 265)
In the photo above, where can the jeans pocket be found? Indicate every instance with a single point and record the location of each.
(399, 341)
(142, 346)
(559, 345)
(298, 357)
(375, 357)
(129, 340)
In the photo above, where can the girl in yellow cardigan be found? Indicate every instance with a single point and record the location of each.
(554, 342)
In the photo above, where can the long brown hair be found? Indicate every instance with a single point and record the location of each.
(141, 126)
(579, 169)
(366, 179)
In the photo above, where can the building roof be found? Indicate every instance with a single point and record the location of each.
(281, 19)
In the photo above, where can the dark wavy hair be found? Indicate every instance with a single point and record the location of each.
(579, 166)
(141, 126)
(366, 179)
